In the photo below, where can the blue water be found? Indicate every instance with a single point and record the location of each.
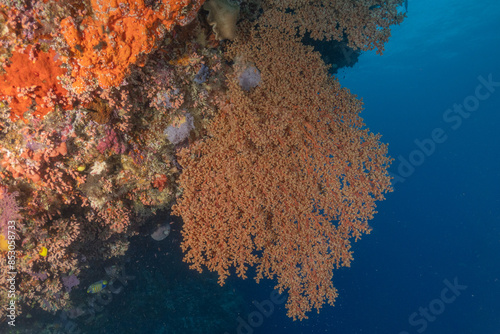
(441, 226)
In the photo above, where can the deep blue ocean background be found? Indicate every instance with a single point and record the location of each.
(443, 222)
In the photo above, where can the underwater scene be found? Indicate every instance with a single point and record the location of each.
(249, 166)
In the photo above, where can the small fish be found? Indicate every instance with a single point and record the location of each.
(97, 287)
(43, 251)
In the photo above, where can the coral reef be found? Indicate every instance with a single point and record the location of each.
(112, 111)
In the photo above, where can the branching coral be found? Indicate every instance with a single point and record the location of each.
(365, 23)
(285, 178)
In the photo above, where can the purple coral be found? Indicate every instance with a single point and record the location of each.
(9, 211)
(249, 78)
(70, 281)
(112, 142)
(177, 134)
(202, 75)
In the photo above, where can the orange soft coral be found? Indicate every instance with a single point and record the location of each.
(287, 176)
(26, 80)
(119, 32)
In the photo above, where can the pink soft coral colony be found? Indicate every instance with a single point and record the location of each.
(87, 93)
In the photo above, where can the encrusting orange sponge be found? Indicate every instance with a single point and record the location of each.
(27, 80)
(119, 32)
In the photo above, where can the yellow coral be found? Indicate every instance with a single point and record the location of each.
(4, 245)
